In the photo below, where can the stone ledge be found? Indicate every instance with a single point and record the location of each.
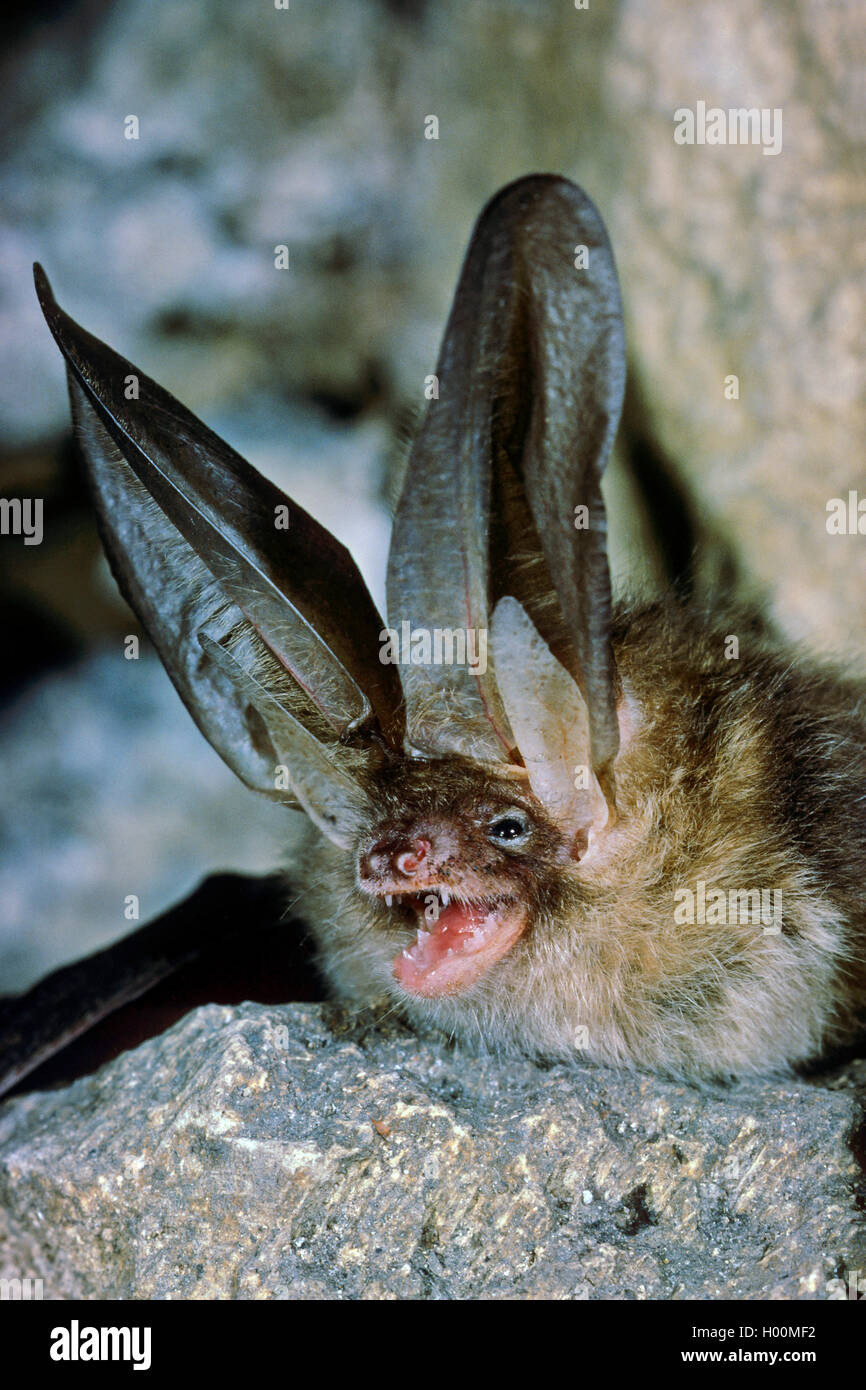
(262, 1152)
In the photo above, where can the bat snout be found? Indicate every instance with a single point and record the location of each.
(395, 858)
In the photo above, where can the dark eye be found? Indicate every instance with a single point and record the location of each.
(511, 829)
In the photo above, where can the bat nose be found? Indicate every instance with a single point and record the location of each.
(391, 857)
(409, 861)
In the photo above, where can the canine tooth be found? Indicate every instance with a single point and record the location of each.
(389, 899)
(445, 896)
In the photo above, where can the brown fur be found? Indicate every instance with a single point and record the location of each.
(745, 773)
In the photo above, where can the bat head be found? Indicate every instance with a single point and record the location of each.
(473, 738)
(459, 855)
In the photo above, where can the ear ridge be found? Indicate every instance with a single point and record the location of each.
(550, 721)
(531, 376)
(190, 532)
(329, 794)
(295, 585)
(574, 347)
(146, 554)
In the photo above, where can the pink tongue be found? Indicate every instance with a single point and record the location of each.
(462, 944)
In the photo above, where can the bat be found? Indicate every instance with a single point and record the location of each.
(539, 819)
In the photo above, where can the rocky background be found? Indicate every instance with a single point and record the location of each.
(305, 127)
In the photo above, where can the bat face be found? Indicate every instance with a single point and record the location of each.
(456, 866)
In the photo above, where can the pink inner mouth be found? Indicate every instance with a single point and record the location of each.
(451, 953)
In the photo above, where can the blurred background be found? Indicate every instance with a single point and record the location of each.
(305, 127)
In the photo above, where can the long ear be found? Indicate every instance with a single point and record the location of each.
(198, 541)
(550, 721)
(530, 382)
(324, 788)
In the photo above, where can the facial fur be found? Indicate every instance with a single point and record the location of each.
(738, 774)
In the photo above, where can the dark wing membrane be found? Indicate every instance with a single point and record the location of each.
(226, 910)
(531, 377)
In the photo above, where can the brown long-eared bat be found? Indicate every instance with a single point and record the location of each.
(538, 820)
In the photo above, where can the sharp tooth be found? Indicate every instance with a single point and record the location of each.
(423, 936)
(389, 899)
(445, 896)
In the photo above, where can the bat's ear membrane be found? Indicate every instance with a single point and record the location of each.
(503, 490)
(260, 616)
(550, 722)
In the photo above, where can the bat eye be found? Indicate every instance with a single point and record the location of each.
(511, 830)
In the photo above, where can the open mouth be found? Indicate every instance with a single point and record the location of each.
(456, 942)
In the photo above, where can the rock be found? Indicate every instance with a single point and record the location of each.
(297, 1153)
(164, 243)
(737, 262)
(137, 803)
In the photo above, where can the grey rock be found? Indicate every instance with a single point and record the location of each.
(299, 1153)
(109, 791)
(737, 262)
(256, 130)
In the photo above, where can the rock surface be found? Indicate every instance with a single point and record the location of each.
(296, 1153)
(737, 262)
(86, 821)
